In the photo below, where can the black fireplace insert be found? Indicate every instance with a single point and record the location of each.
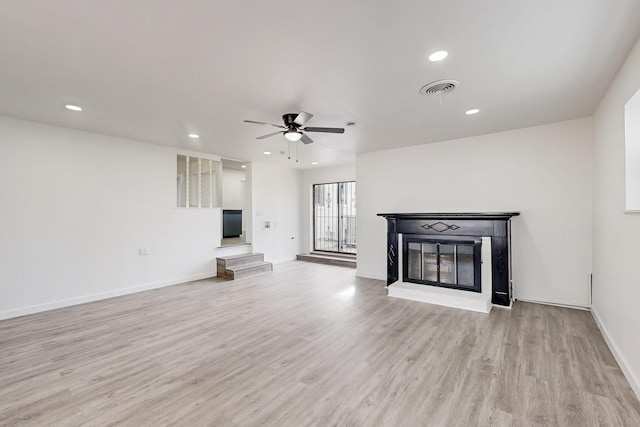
(452, 262)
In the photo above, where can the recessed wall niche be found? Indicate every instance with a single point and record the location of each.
(198, 182)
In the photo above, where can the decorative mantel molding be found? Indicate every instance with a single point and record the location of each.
(493, 224)
(453, 215)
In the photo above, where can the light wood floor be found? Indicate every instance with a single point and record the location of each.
(308, 344)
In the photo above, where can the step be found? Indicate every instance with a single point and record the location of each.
(245, 270)
(232, 261)
(242, 265)
(333, 255)
(226, 251)
(342, 261)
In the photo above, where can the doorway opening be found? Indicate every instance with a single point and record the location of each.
(334, 217)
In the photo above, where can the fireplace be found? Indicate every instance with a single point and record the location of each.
(444, 250)
(449, 263)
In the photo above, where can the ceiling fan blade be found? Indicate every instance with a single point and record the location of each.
(305, 139)
(302, 118)
(327, 130)
(268, 135)
(263, 123)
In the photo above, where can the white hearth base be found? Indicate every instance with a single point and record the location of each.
(455, 298)
(441, 296)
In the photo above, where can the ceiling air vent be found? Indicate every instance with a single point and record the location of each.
(439, 87)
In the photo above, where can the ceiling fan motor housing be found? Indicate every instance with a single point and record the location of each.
(289, 118)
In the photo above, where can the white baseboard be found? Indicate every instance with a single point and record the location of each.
(100, 296)
(622, 361)
(360, 274)
(555, 304)
(282, 260)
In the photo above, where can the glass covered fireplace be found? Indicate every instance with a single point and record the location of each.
(451, 262)
(456, 228)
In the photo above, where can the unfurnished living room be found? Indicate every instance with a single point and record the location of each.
(320, 213)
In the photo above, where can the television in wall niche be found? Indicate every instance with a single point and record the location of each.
(231, 223)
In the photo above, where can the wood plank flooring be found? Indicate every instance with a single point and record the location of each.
(306, 345)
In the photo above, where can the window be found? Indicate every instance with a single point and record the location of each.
(632, 152)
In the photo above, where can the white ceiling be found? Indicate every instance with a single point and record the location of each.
(157, 70)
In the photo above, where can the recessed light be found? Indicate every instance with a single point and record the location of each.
(73, 107)
(438, 56)
(314, 163)
(194, 136)
(243, 166)
(267, 152)
(472, 111)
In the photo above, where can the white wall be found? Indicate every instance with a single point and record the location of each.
(544, 172)
(76, 208)
(318, 176)
(233, 188)
(276, 199)
(616, 252)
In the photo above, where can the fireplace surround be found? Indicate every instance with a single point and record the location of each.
(449, 237)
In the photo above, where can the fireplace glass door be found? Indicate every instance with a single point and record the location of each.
(449, 263)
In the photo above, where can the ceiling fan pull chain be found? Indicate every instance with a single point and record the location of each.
(297, 145)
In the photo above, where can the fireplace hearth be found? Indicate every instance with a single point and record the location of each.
(444, 250)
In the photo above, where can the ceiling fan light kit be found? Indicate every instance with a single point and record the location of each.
(293, 129)
(293, 135)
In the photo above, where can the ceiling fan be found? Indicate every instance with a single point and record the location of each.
(293, 129)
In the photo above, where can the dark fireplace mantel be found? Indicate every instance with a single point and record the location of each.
(494, 224)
